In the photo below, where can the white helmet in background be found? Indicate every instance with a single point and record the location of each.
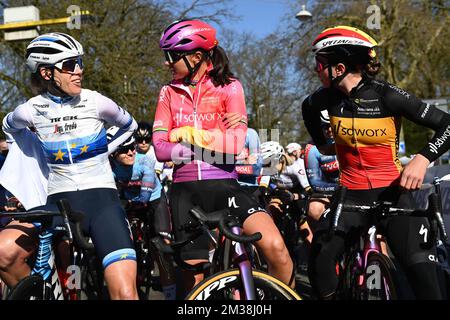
(51, 48)
(293, 146)
(271, 149)
(111, 132)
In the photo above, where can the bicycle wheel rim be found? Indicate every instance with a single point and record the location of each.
(227, 285)
(29, 288)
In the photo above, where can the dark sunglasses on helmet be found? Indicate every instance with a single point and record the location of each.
(70, 65)
(143, 139)
(126, 149)
(321, 64)
(174, 56)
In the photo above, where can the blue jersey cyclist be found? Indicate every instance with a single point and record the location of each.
(249, 161)
(322, 171)
(141, 190)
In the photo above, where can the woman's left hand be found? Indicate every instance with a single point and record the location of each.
(231, 120)
(414, 173)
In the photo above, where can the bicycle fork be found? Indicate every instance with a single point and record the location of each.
(245, 267)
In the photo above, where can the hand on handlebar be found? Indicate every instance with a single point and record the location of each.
(285, 196)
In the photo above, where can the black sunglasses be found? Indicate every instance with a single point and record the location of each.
(140, 140)
(126, 149)
(174, 56)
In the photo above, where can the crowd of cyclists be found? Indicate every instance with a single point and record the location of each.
(199, 151)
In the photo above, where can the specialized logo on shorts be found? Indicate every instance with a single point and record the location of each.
(232, 202)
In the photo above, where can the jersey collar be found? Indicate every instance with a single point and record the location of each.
(59, 100)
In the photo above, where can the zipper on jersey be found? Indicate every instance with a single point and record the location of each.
(199, 172)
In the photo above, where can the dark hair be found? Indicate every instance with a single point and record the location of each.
(220, 74)
(372, 68)
(38, 84)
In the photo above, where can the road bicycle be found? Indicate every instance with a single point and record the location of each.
(44, 283)
(239, 282)
(149, 251)
(365, 273)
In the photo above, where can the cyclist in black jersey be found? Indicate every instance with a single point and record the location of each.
(366, 116)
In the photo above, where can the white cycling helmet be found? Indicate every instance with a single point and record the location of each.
(50, 48)
(293, 146)
(111, 132)
(271, 149)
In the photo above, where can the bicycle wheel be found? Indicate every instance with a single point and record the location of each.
(29, 288)
(379, 279)
(227, 285)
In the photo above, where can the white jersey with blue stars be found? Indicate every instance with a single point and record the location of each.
(72, 134)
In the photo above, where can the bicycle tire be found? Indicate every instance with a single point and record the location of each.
(29, 288)
(388, 286)
(225, 285)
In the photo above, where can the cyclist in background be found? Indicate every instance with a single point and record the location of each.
(69, 123)
(143, 138)
(249, 162)
(190, 129)
(141, 190)
(294, 150)
(322, 171)
(365, 116)
(287, 186)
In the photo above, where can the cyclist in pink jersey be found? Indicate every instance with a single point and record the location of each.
(195, 126)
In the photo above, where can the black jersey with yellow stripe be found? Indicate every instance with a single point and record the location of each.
(366, 126)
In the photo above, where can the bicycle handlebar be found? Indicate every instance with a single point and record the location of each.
(342, 191)
(217, 219)
(224, 222)
(46, 217)
(384, 208)
(76, 218)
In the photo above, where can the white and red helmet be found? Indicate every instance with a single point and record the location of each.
(344, 43)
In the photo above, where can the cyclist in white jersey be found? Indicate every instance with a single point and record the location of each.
(69, 123)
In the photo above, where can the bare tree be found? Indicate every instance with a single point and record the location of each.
(122, 55)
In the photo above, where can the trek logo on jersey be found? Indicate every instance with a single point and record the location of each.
(67, 127)
(362, 132)
(329, 166)
(439, 141)
(66, 118)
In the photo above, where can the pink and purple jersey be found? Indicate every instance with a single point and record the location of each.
(203, 109)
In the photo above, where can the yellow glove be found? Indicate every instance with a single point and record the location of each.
(198, 137)
(183, 134)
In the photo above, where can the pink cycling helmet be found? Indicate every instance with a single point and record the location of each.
(188, 35)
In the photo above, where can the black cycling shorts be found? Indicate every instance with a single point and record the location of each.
(104, 221)
(210, 195)
(160, 216)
